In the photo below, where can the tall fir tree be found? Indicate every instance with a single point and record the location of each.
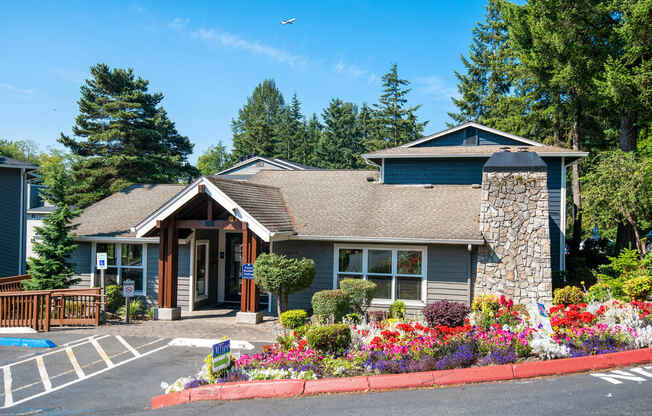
(50, 268)
(291, 130)
(306, 146)
(122, 136)
(339, 146)
(259, 123)
(395, 122)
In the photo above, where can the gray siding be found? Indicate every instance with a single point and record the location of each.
(436, 171)
(183, 290)
(554, 207)
(484, 138)
(81, 258)
(10, 184)
(319, 251)
(448, 273)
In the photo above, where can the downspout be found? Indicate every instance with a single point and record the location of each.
(469, 248)
(21, 222)
(269, 294)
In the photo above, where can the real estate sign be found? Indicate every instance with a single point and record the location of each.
(221, 355)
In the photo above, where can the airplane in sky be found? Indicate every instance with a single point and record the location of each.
(288, 21)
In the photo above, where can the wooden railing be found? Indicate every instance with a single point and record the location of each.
(45, 308)
(13, 283)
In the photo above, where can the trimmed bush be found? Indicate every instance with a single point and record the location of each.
(330, 303)
(638, 288)
(334, 338)
(114, 298)
(397, 310)
(360, 293)
(568, 295)
(445, 313)
(294, 318)
(282, 276)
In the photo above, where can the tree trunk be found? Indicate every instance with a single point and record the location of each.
(279, 297)
(628, 133)
(640, 247)
(577, 197)
(286, 295)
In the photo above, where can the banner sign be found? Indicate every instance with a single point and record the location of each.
(248, 271)
(221, 355)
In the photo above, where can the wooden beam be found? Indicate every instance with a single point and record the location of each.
(244, 289)
(201, 189)
(171, 263)
(208, 224)
(162, 249)
(209, 210)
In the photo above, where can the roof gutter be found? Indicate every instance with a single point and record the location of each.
(475, 242)
(485, 155)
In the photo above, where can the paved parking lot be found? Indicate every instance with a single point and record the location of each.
(99, 374)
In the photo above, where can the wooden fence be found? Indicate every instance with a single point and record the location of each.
(13, 283)
(44, 308)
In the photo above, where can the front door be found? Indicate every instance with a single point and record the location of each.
(232, 287)
(201, 270)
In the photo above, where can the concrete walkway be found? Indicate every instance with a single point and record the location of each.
(209, 323)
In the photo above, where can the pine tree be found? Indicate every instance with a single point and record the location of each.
(50, 269)
(290, 130)
(395, 123)
(339, 146)
(257, 128)
(122, 136)
(306, 146)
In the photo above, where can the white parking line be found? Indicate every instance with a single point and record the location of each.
(127, 346)
(75, 363)
(84, 378)
(102, 353)
(45, 378)
(9, 400)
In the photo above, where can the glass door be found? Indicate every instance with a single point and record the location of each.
(232, 288)
(201, 270)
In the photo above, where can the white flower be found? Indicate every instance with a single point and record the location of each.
(643, 337)
(545, 347)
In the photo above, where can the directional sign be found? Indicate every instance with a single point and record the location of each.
(102, 260)
(248, 271)
(128, 288)
(221, 355)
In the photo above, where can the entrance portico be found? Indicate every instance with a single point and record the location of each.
(222, 207)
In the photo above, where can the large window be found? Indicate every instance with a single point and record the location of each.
(125, 261)
(398, 272)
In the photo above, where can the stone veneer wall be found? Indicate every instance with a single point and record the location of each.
(514, 222)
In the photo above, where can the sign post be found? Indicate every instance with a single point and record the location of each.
(221, 355)
(102, 260)
(128, 289)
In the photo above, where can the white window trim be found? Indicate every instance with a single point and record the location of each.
(118, 265)
(394, 248)
(194, 267)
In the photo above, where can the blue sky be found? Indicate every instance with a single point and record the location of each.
(206, 57)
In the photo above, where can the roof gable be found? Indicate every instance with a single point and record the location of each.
(252, 165)
(472, 134)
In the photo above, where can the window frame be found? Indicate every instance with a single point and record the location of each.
(118, 262)
(198, 243)
(394, 275)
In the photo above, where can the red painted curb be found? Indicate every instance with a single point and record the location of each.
(474, 375)
(336, 385)
(293, 388)
(401, 381)
(171, 399)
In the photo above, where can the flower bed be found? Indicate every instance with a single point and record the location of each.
(496, 332)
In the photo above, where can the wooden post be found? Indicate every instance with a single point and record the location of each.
(244, 288)
(162, 249)
(253, 289)
(48, 304)
(171, 263)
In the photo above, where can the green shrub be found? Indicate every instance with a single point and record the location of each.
(114, 298)
(300, 331)
(638, 288)
(150, 312)
(330, 303)
(282, 276)
(334, 338)
(294, 318)
(135, 309)
(352, 318)
(397, 310)
(568, 295)
(599, 292)
(360, 293)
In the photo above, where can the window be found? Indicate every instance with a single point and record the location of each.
(398, 272)
(124, 261)
(201, 269)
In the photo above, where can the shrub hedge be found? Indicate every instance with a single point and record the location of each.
(568, 295)
(330, 303)
(294, 318)
(334, 338)
(114, 298)
(360, 293)
(445, 313)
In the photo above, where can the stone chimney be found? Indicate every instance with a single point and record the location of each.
(515, 261)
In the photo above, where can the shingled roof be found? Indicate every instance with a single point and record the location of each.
(468, 151)
(344, 203)
(114, 215)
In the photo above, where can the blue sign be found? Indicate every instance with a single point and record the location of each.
(248, 271)
(542, 310)
(221, 355)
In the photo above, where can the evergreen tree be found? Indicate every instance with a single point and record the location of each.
(306, 146)
(291, 130)
(50, 269)
(339, 146)
(395, 123)
(257, 128)
(215, 159)
(122, 136)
